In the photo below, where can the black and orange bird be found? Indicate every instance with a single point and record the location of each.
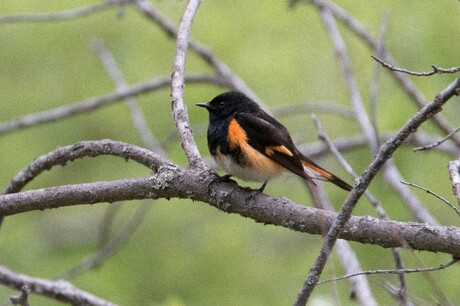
(252, 145)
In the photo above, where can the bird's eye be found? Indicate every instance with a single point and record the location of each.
(221, 104)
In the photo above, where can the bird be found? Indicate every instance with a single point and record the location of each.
(250, 144)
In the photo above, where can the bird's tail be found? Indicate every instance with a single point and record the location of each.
(316, 172)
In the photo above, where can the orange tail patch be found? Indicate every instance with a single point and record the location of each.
(327, 175)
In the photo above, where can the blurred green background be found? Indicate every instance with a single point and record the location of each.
(188, 253)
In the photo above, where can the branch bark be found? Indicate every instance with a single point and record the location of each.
(177, 87)
(174, 182)
(59, 290)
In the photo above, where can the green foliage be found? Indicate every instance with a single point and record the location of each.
(187, 253)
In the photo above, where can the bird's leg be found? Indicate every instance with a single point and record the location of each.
(261, 189)
(224, 178)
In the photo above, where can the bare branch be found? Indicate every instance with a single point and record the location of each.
(231, 79)
(363, 182)
(137, 116)
(60, 16)
(96, 102)
(109, 249)
(432, 193)
(177, 87)
(59, 290)
(436, 70)
(317, 150)
(437, 143)
(377, 205)
(393, 176)
(397, 271)
(323, 107)
(355, 96)
(406, 84)
(454, 172)
(374, 87)
(62, 155)
(173, 182)
(359, 287)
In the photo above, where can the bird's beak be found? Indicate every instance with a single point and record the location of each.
(205, 105)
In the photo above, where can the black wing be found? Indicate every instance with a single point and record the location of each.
(271, 138)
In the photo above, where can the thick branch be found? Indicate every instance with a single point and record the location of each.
(174, 182)
(59, 290)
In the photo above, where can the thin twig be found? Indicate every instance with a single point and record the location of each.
(317, 150)
(374, 87)
(103, 233)
(137, 116)
(319, 107)
(396, 252)
(390, 271)
(393, 176)
(432, 193)
(358, 106)
(224, 72)
(60, 16)
(97, 102)
(109, 249)
(436, 70)
(437, 143)
(405, 83)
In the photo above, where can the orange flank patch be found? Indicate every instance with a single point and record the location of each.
(257, 163)
(282, 149)
(236, 135)
(318, 170)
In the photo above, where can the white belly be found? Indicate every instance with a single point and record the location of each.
(261, 168)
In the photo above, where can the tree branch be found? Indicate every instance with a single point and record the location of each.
(137, 116)
(96, 102)
(231, 79)
(59, 290)
(179, 108)
(436, 70)
(384, 154)
(397, 271)
(60, 16)
(62, 155)
(358, 106)
(405, 83)
(173, 182)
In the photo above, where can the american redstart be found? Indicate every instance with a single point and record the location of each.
(252, 145)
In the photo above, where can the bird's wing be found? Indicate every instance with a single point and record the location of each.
(271, 138)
